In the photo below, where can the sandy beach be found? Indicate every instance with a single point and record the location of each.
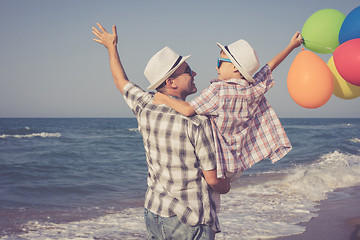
(339, 218)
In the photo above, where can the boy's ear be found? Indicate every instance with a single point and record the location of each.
(235, 69)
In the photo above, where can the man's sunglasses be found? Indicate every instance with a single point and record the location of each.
(221, 60)
(187, 71)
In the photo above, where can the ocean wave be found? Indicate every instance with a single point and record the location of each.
(332, 171)
(128, 225)
(354, 140)
(133, 129)
(42, 134)
(270, 208)
(320, 127)
(276, 206)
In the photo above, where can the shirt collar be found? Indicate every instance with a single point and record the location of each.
(242, 82)
(174, 97)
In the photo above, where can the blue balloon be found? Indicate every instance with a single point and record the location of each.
(350, 28)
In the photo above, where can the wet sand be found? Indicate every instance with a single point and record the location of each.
(339, 218)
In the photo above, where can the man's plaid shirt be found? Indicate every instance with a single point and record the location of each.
(177, 149)
(245, 126)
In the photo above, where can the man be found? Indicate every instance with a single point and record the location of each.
(179, 150)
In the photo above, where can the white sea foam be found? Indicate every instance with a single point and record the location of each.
(133, 129)
(321, 127)
(42, 134)
(128, 224)
(265, 209)
(274, 208)
(334, 170)
(355, 140)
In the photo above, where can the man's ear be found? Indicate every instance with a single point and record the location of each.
(170, 83)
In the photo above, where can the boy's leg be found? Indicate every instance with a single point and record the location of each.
(233, 176)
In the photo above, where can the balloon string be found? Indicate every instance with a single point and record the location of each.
(318, 44)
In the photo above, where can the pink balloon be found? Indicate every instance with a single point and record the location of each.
(347, 61)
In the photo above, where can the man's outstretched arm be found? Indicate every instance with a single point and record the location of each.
(109, 40)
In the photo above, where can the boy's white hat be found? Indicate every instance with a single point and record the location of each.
(162, 65)
(244, 58)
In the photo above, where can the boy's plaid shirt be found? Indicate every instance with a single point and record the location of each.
(245, 126)
(177, 149)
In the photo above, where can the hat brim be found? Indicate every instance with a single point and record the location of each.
(236, 64)
(168, 74)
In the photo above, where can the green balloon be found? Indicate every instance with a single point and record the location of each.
(321, 31)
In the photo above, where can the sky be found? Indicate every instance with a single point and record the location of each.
(51, 67)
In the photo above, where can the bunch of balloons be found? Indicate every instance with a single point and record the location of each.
(311, 82)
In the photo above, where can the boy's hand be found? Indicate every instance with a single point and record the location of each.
(105, 38)
(296, 40)
(158, 98)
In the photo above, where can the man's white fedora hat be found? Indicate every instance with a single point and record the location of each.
(243, 56)
(162, 65)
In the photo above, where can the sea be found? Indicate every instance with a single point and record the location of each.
(64, 178)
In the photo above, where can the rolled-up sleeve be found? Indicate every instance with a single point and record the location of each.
(207, 103)
(205, 146)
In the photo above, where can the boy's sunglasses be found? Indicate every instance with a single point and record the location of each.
(221, 60)
(187, 71)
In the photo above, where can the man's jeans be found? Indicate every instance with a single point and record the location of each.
(166, 228)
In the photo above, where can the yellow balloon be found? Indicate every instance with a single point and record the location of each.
(342, 88)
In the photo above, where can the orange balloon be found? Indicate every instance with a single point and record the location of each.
(310, 81)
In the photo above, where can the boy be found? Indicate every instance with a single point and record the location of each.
(246, 128)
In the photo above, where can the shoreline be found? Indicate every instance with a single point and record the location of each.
(339, 218)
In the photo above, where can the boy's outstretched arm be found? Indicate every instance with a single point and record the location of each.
(109, 40)
(295, 42)
(178, 105)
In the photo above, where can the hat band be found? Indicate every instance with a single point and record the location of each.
(176, 63)
(226, 47)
